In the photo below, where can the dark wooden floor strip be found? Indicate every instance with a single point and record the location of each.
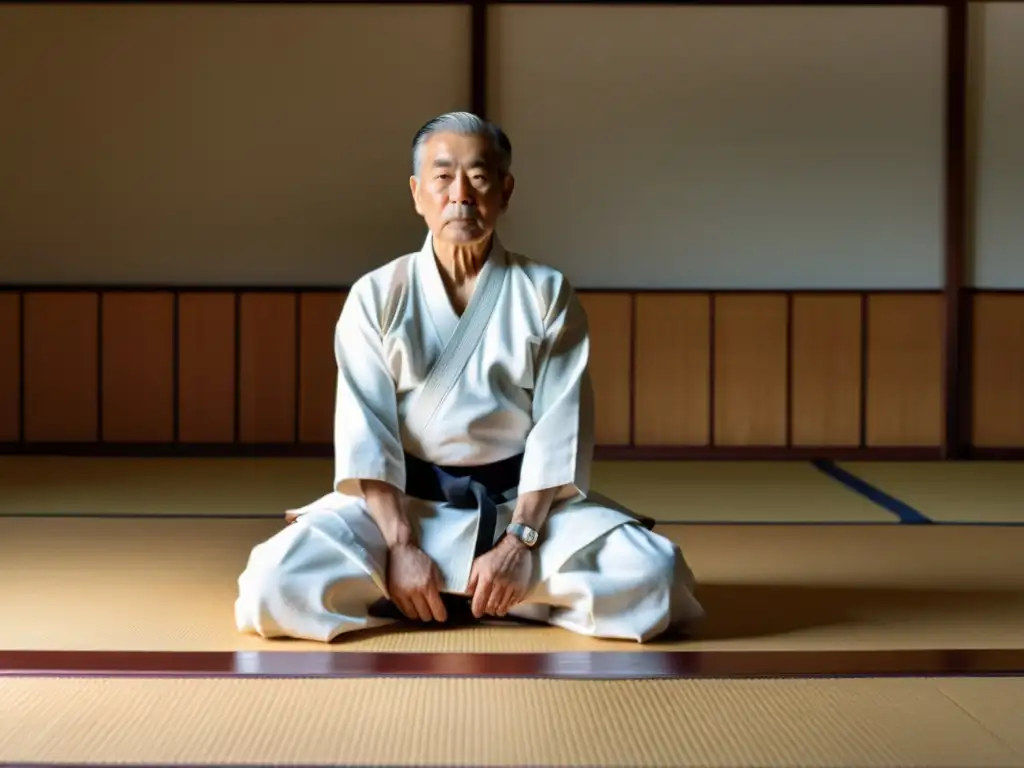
(606, 665)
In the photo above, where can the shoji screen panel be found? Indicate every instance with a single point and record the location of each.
(225, 144)
(724, 147)
(997, 111)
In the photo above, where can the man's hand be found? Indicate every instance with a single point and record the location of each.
(414, 580)
(414, 583)
(500, 578)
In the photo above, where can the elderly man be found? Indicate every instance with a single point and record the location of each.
(463, 442)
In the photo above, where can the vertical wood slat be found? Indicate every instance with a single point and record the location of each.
(61, 366)
(671, 370)
(318, 316)
(10, 367)
(268, 360)
(138, 367)
(609, 316)
(206, 367)
(826, 370)
(750, 369)
(998, 371)
(904, 375)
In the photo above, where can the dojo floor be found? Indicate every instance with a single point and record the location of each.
(859, 615)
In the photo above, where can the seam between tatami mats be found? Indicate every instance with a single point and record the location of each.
(907, 514)
(977, 720)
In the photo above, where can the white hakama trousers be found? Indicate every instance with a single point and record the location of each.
(318, 578)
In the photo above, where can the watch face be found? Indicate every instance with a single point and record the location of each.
(530, 536)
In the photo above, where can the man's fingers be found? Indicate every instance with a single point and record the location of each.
(422, 609)
(405, 606)
(497, 598)
(481, 596)
(436, 604)
(509, 600)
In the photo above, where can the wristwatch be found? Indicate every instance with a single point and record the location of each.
(524, 533)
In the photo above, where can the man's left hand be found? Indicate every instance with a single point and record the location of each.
(500, 578)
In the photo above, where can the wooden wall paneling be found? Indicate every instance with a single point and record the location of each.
(904, 370)
(998, 371)
(318, 316)
(206, 367)
(826, 370)
(137, 359)
(610, 319)
(61, 358)
(751, 372)
(268, 367)
(671, 374)
(10, 367)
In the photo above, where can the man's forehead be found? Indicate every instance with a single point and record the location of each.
(450, 148)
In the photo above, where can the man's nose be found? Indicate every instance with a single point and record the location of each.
(460, 190)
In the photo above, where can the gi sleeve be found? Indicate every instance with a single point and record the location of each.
(560, 446)
(367, 442)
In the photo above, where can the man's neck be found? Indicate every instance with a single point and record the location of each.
(461, 263)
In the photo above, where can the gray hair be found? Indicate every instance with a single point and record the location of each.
(466, 124)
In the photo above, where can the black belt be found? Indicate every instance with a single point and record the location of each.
(480, 488)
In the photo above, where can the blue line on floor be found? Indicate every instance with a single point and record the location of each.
(906, 513)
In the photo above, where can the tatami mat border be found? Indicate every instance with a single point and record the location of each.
(888, 502)
(605, 665)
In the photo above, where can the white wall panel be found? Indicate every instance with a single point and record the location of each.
(997, 77)
(216, 143)
(732, 147)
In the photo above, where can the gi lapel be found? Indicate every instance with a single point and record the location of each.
(464, 341)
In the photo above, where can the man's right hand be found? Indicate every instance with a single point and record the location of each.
(414, 582)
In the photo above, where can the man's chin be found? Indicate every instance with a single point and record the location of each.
(463, 232)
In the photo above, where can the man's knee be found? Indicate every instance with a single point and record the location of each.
(647, 553)
(667, 573)
(271, 567)
(306, 576)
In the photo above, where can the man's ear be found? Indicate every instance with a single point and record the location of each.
(414, 188)
(508, 187)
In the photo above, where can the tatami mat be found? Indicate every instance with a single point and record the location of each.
(734, 492)
(721, 492)
(169, 585)
(900, 723)
(47, 485)
(953, 491)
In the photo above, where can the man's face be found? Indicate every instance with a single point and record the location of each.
(460, 193)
